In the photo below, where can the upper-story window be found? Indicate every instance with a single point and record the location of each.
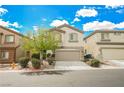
(9, 39)
(73, 37)
(104, 36)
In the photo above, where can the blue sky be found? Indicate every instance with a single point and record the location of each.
(84, 17)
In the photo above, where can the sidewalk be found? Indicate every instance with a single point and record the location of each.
(119, 63)
(59, 68)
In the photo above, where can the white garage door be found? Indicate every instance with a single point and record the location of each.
(110, 54)
(67, 55)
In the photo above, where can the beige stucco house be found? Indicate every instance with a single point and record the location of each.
(10, 49)
(105, 44)
(71, 43)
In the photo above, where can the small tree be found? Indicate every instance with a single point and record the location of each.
(27, 43)
(41, 41)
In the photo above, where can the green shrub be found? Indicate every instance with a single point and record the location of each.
(36, 55)
(36, 63)
(23, 62)
(50, 61)
(95, 63)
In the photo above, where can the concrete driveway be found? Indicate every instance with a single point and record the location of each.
(71, 65)
(119, 63)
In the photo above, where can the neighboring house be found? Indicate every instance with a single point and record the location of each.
(105, 44)
(10, 49)
(71, 43)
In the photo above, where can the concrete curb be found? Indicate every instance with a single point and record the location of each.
(20, 71)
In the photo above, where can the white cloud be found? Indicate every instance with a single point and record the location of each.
(35, 28)
(16, 25)
(3, 11)
(120, 25)
(4, 23)
(120, 11)
(60, 17)
(114, 6)
(58, 22)
(14, 29)
(86, 13)
(92, 7)
(8, 24)
(44, 19)
(96, 25)
(76, 20)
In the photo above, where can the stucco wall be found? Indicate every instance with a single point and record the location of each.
(91, 46)
(5, 32)
(17, 41)
(65, 38)
(94, 48)
(20, 53)
(112, 37)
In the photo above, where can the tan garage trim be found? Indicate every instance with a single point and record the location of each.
(111, 48)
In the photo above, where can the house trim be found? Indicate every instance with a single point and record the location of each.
(12, 31)
(66, 25)
(56, 29)
(111, 48)
(110, 43)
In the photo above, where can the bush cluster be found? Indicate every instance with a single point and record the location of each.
(95, 63)
(23, 62)
(36, 63)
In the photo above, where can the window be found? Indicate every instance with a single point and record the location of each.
(9, 38)
(73, 37)
(4, 55)
(105, 36)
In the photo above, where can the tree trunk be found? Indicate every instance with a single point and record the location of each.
(44, 55)
(41, 55)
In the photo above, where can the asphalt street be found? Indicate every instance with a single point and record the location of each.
(78, 78)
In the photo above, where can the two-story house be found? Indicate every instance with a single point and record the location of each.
(10, 49)
(105, 44)
(71, 43)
